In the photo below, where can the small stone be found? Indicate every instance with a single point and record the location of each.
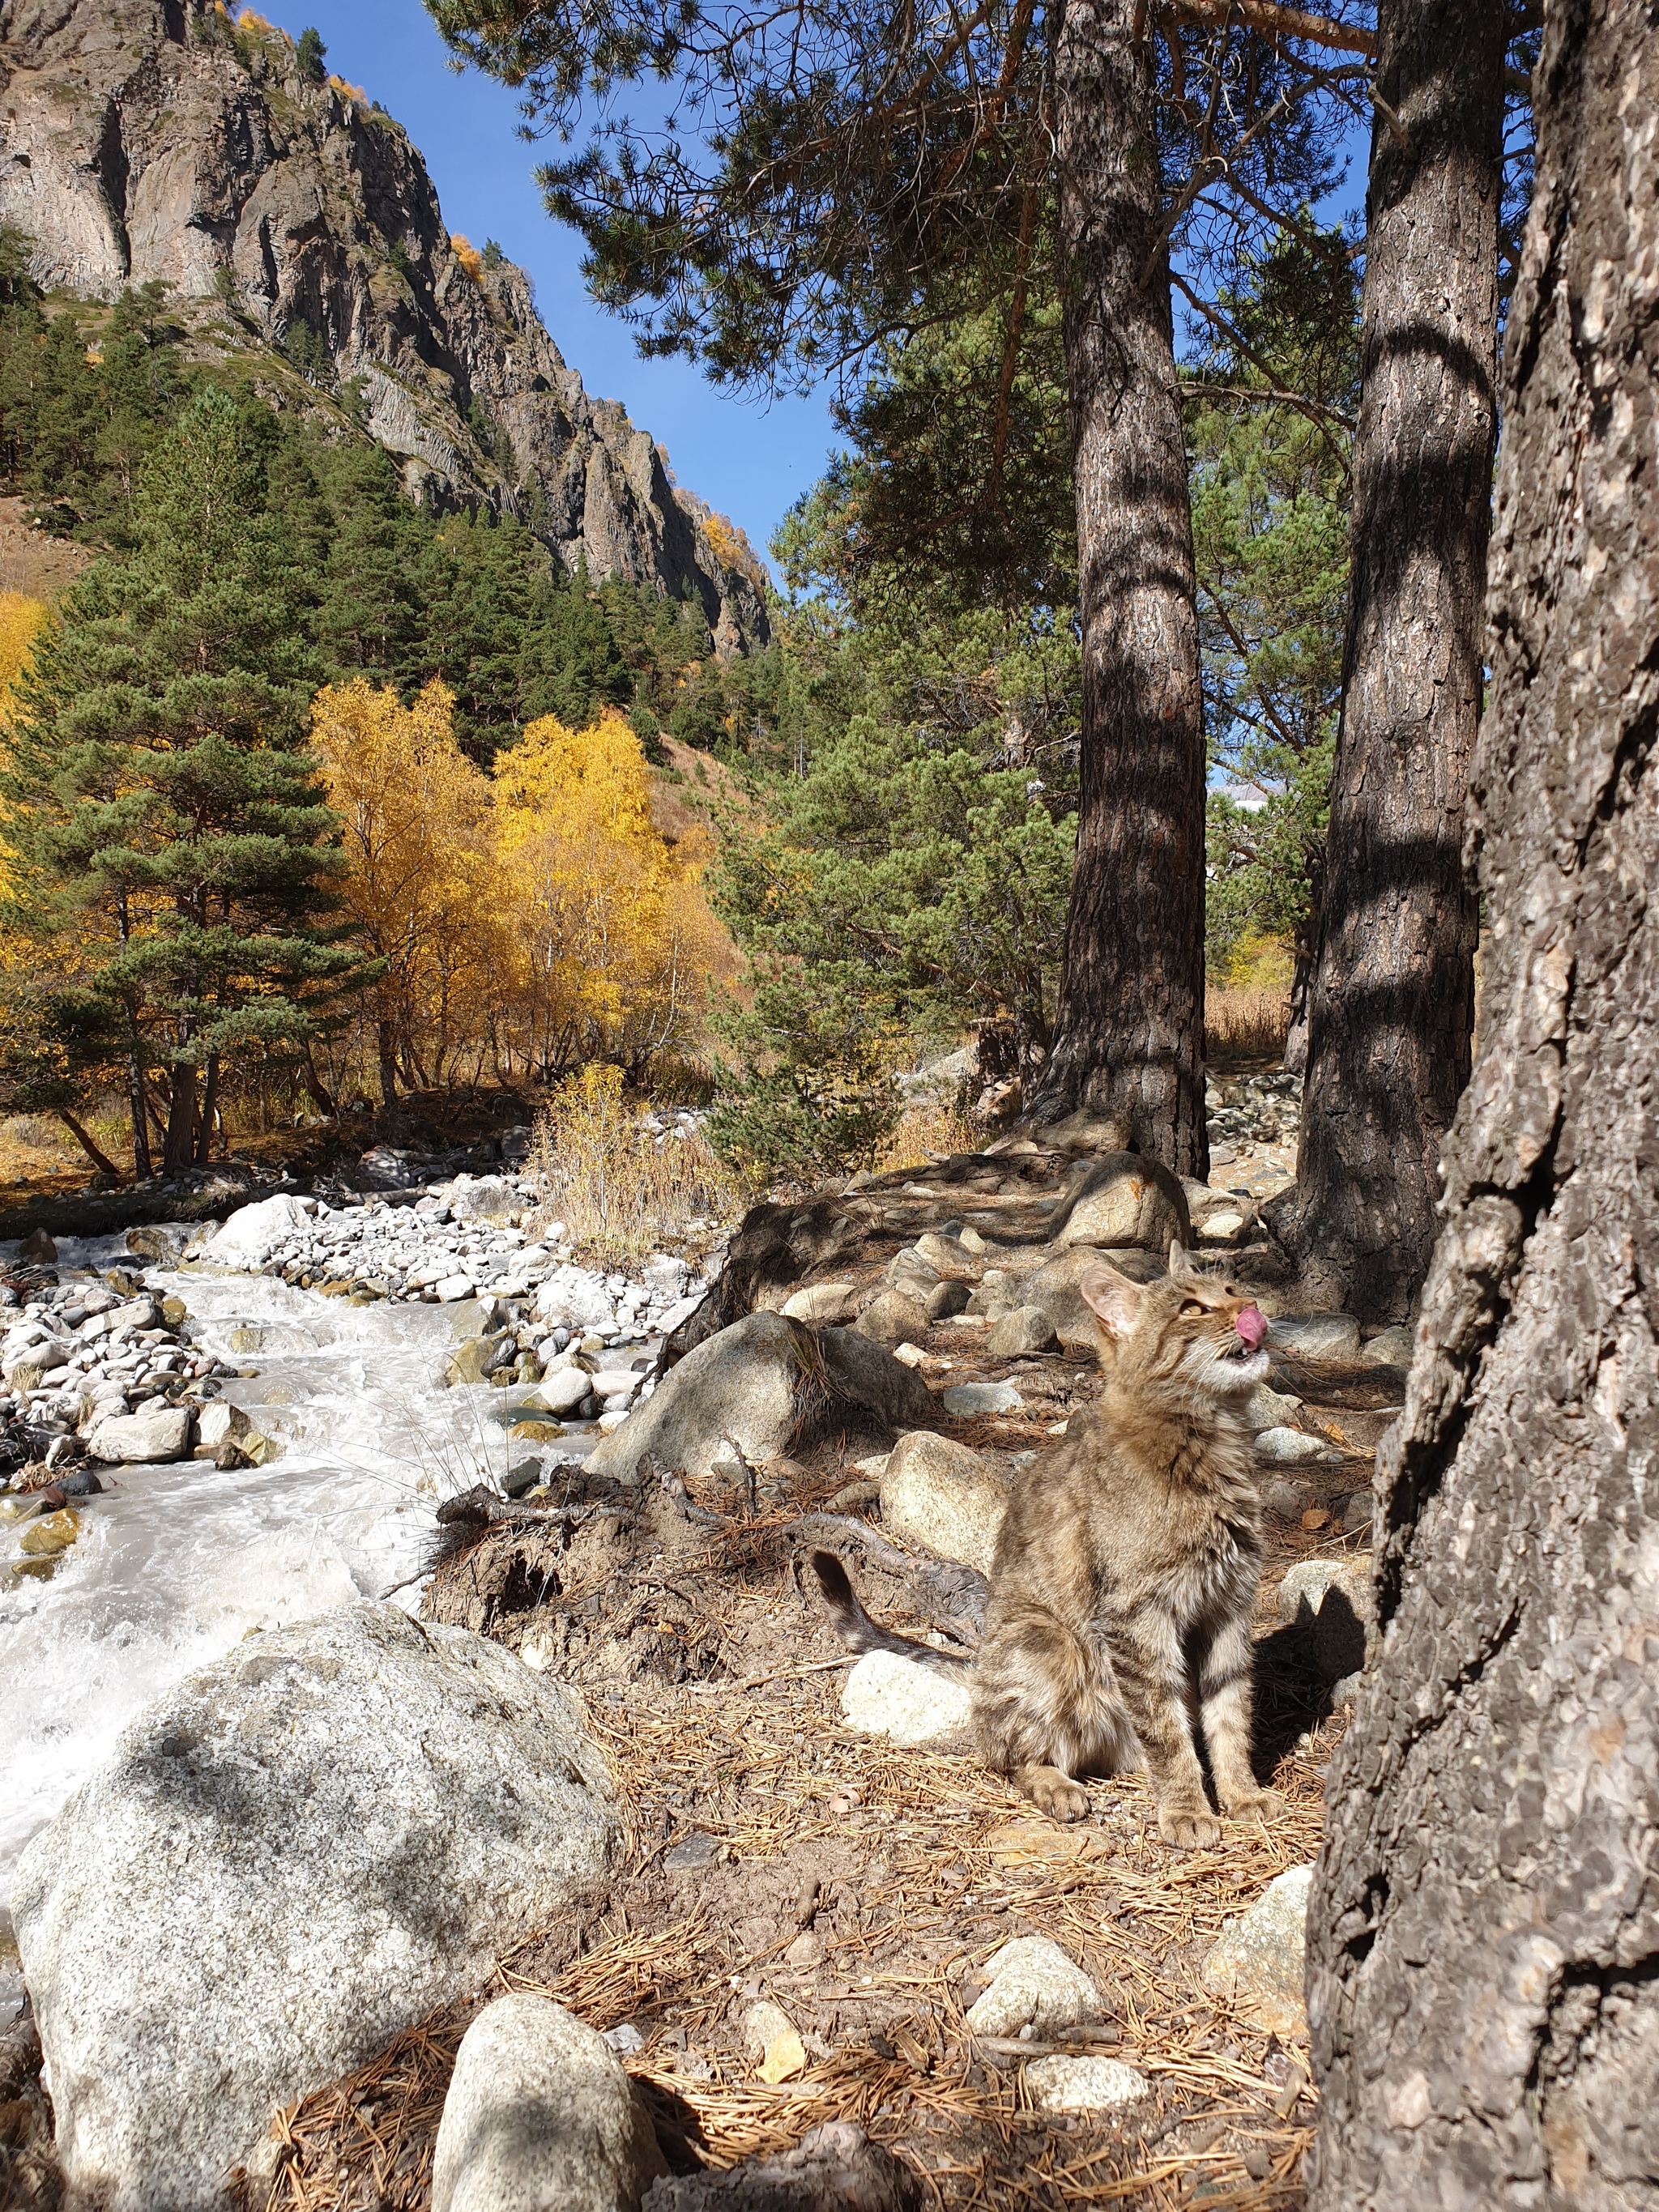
(692, 1852)
(762, 2024)
(537, 1432)
(946, 1299)
(561, 1389)
(625, 2039)
(1358, 1512)
(1316, 1336)
(220, 1422)
(906, 1700)
(1221, 1228)
(1033, 1983)
(1103, 2086)
(259, 1450)
(1336, 1596)
(1293, 1448)
(1283, 1500)
(539, 2117)
(52, 1534)
(806, 1952)
(1258, 1960)
(1390, 1347)
(1346, 1691)
(966, 1399)
(38, 1248)
(519, 1480)
(451, 1289)
(475, 1360)
(1022, 1329)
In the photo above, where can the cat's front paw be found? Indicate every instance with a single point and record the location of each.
(1263, 1805)
(1187, 1829)
(1054, 1793)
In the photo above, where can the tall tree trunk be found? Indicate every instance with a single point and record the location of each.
(1392, 1007)
(386, 1039)
(1483, 1932)
(137, 1106)
(1129, 1031)
(89, 1145)
(179, 1151)
(210, 1109)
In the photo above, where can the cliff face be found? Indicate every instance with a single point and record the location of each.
(154, 139)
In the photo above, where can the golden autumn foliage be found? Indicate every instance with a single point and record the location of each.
(468, 255)
(530, 921)
(20, 618)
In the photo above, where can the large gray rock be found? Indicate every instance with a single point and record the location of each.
(540, 2118)
(1022, 1330)
(1317, 1335)
(1126, 1200)
(757, 1382)
(257, 1229)
(1054, 1289)
(828, 1303)
(944, 1495)
(1258, 1960)
(290, 1856)
(148, 1439)
(1105, 2088)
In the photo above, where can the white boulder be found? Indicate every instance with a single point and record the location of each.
(1258, 1960)
(540, 2118)
(906, 1700)
(1105, 2088)
(288, 1857)
(257, 1229)
(149, 1438)
(944, 1495)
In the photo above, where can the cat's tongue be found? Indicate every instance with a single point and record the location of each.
(1251, 1324)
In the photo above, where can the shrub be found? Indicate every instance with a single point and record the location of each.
(620, 1191)
(468, 255)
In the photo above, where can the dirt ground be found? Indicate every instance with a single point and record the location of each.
(772, 1852)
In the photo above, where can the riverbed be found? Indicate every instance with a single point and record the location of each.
(176, 1564)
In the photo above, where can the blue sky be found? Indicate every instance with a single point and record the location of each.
(749, 459)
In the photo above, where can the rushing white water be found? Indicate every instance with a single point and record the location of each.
(176, 1564)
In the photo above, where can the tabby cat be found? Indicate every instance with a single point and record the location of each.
(1124, 1582)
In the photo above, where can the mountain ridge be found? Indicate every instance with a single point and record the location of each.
(296, 224)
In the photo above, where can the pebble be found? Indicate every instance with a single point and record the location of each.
(1103, 2086)
(964, 1398)
(1032, 1983)
(1292, 1448)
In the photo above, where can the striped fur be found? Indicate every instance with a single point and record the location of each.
(1125, 1578)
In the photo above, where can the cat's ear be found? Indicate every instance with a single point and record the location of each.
(1181, 1269)
(1112, 1298)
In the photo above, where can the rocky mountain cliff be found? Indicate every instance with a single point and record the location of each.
(296, 227)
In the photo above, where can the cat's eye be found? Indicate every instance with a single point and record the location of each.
(1191, 1306)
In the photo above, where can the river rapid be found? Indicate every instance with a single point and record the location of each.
(176, 1564)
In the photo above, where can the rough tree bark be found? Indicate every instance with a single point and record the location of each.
(1392, 1006)
(1128, 1041)
(1483, 1932)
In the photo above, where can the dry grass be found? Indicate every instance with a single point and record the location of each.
(1243, 1021)
(619, 1191)
(925, 1133)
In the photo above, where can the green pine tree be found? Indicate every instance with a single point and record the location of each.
(166, 808)
(570, 663)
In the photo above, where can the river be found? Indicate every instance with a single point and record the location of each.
(176, 1564)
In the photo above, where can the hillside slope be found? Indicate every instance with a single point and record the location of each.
(147, 140)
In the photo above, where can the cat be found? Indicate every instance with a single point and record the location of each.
(1124, 1580)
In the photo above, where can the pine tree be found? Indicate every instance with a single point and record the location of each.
(166, 810)
(570, 664)
(371, 607)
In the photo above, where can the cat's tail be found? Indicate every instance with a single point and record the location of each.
(854, 1624)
